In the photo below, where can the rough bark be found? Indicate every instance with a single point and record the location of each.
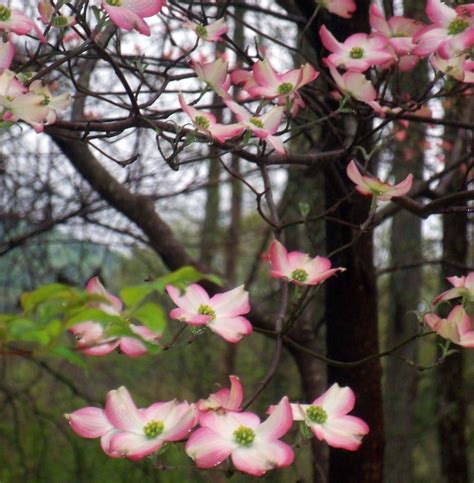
(451, 401)
(351, 297)
(406, 247)
(210, 225)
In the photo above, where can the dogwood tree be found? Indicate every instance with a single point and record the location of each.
(297, 103)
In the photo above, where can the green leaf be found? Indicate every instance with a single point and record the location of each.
(30, 300)
(305, 431)
(151, 315)
(183, 277)
(95, 315)
(135, 294)
(70, 356)
(6, 124)
(54, 328)
(304, 209)
(26, 330)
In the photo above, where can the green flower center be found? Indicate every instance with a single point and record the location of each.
(256, 122)
(285, 88)
(201, 121)
(317, 414)
(5, 13)
(207, 310)
(61, 21)
(201, 31)
(244, 436)
(153, 429)
(46, 101)
(457, 26)
(356, 53)
(299, 275)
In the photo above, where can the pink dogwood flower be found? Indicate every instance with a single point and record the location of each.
(358, 52)
(222, 313)
(264, 127)
(206, 123)
(92, 336)
(298, 267)
(18, 104)
(93, 340)
(12, 20)
(49, 16)
(225, 399)
(7, 53)
(92, 423)
(140, 432)
(462, 287)
(211, 32)
(129, 14)
(253, 446)
(450, 34)
(400, 32)
(270, 84)
(356, 85)
(54, 104)
(370, 186)
(343, 8)
(456, 327)
(328, 418)
(214, 74)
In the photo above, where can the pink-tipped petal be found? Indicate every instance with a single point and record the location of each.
(231, 329)
(278, 423)
(329, 41)
(264, 74)
(232, 303)
(236, 394)
(402, 188)
(278, 257)
(337, 400)
(122, 412)
(207, 448)
(133, 446)
(354, 175)
(89, 422)
(439, 12)
(344, 432)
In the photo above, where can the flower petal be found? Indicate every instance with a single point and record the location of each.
(336, 400)
(207, 448)
(232, 329)
(133, 446)
(89, 422)
(278, 423)
(122, 412)
(231, 303)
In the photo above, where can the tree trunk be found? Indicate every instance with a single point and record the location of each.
(449, 376)
(405, 248)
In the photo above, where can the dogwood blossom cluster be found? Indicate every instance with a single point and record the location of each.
(262, 82)
(32, 103)
(224, 429)
(394, 42)
(457, 326)
(92, 338)
(370, 186)
(222, 314)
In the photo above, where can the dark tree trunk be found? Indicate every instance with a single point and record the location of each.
(450, 383)
(405, 248)
(351, 297)
(352, 334)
